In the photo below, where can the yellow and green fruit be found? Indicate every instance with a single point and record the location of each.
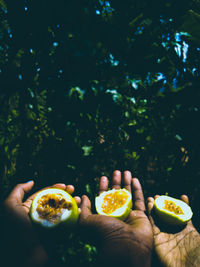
(173, 211)
(115, 203)
(53, 207)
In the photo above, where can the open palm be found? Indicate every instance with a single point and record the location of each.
(128, 242)
(176, 249)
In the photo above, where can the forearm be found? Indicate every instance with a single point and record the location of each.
(14, 254)
(20, 244)
(121, 255)
(144, 262)
(141, 259)
(37, 257)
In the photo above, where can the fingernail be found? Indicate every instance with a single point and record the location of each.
(61, 184)
(29, 181)
(136, 180)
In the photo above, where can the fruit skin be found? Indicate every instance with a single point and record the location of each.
(126, 210)
(69, 222)
(169, 217)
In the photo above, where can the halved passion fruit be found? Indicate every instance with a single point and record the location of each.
(172, 210)
(52, 207)
(114, 203)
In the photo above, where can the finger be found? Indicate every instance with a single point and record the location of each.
(85, 208)
(156, 196)
(116, 180)
(59, 185)
(19, 191)
(138, 197)
(127, 180)
(185, 199)
(68, 188)
(103, 185)
(78, 200)
(150, 205)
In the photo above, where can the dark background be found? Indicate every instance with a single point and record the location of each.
(88, 87)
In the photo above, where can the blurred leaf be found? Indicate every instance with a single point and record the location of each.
(3, 5)
(191, 25)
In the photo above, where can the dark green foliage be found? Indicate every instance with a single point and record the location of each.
(92, 86)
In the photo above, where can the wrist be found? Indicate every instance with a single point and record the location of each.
(193, 258)
(142, 258)
(37, 257)
(125, 254)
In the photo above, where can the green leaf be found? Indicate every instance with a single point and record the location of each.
(191, 25)
(87, 150)
(3, 5)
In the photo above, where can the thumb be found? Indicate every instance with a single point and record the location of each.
(20, 190)
(85, 209)
(150, 205)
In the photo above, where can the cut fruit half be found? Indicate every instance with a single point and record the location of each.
(52, 207)
(114, 203)
(172, 210)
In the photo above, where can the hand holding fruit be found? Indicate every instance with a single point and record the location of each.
(20, 236)
(121, 242)
(179, 249)
(121, 228)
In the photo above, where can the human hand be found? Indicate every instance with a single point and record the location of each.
(179, 247)
(19, 234)
(129, 242)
